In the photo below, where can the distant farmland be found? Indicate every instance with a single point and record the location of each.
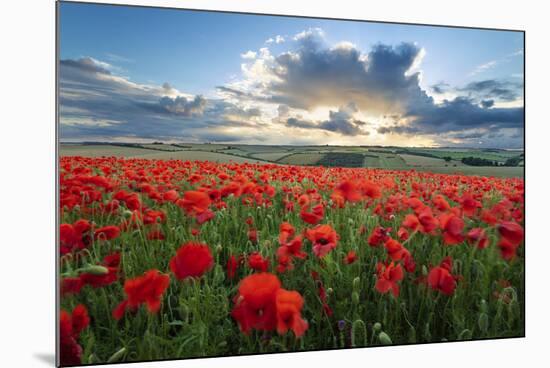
(444, 160)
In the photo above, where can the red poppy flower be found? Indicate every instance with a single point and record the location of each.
(351, 257)
(289, 306)
(74, 237)
(379, 236)
(194, 202)
(71, 285)
(427, 221)
(440, 277)
(511, 231)
(402, 234)
(286, 231)
(146, 289)
(389, 275)
(191, 260)
(441, 203)
(107, 232)
(253, 235)
(255, 302)
(411, 222)
(170, 196)
(71, 325)
(257, 262)
(349, 191)
(324, 239)
(469, 204)
(511, 236)
(396, 251)
(315, 216)
(232, 266)
(452, 227)
(204, 216)
(370, 189)
(478, 237)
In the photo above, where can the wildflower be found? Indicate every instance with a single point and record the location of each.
(146, 289)
(192, 259)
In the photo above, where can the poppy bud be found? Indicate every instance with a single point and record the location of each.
(95, 270)
(483, 306)
(127, 214)
(377, 326)
(117, 356)
(329, 291)
(357, 284)
(219, 248)
(184, 313)
(384, 338)
(424, 270)
(355, 297)
(483, 322)
(219, 275)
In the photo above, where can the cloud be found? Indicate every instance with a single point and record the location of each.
(483, 67)
(95, 103)
(381, 82)
(493, 63)
(440, 88)
(182, 106)
(315, 74)
(249, 55)
(340, 121)
(328, 89)
(494, 89)
(88, 64)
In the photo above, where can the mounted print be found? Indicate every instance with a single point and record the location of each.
(235, 184)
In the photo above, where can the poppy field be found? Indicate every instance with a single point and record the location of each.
(170, 259)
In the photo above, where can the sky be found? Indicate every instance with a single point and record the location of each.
(130, 74)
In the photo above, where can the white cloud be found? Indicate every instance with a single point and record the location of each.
(249, 55)
(483, 67)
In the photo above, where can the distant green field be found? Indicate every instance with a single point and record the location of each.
(301, 159)
(421, 161)
(102, 150)
(270, 156)
(503, 172)
(339, 159)
(119, 151)
(334, 156)
(162, 147)
(458, 154)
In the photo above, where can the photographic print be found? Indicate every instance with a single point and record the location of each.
(235, 184)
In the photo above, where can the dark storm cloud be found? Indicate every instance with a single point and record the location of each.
(314, 76)
(340, 121)
(487, 103)
(182, 106)
(86, 64)
(494, 89)
(462, 113)
(440, 87)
